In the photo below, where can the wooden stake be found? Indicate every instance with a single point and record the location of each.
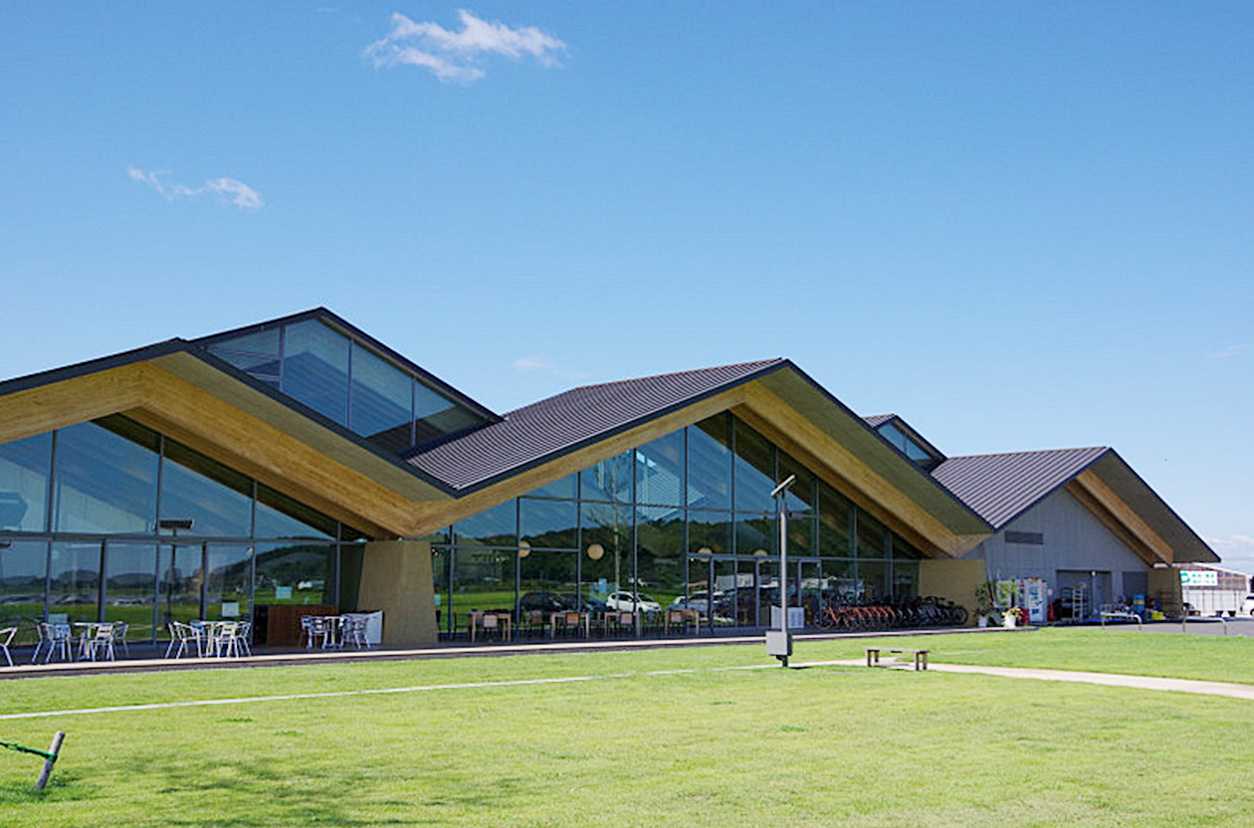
(50, 760)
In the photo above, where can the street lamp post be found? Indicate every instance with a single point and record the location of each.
(779, 642)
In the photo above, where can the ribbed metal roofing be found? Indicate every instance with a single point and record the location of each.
(1000, 487)
(550, 427)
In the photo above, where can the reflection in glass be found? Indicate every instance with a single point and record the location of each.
(801, 536)
(441, 557)
(181, 578)
(315, 368)
(755, 470)
(279, 516)
(873, 579)
(835, 523)
(905, 579)
(801, 495)
(483, 579)
(295, 573)
(548, 581)
(609, 480)
(660, 471)
(437, 415)
(610, 526)
(709, 464)
(24, 466)
(130, 586)
(256, 352)
(872, 537)
(755, 535)
(709, 531)
(839, 580)
(229, 595)
(216, 498)
(382, 401)
(566, 488)
(106, 477)
(731, 602)
(74, 580)
(23, 579)
(548, 524)
(659, 555)
(497, 526)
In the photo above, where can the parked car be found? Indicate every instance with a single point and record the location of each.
(1247, 608)
(631, 602)
(699, 601)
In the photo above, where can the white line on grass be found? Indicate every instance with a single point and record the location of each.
(332, 694)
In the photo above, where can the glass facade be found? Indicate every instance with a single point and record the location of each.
(347, 382)
(81, 540)
(685, 520)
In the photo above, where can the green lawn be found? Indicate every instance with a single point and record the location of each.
(821, 746)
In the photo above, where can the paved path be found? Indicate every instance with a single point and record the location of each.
(1206, 688)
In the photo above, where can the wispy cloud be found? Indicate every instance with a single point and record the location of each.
(1236, 551)
(455, 55)
(228, 189)
(538, 363)
(1230, 351)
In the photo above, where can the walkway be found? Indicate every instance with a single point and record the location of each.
(1206, 688)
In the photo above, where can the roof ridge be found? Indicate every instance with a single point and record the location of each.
(1023, 453)
(607, 383)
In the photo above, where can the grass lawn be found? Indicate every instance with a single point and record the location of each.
(821, 746)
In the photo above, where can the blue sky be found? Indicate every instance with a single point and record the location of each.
(1018, 225)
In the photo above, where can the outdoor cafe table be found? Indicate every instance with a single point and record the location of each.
(571, 618)
(476, 619)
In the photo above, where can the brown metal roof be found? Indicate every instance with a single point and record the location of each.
(544, 430)
(1000, 487)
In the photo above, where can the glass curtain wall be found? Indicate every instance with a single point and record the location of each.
(687, 521)
(81, 511)
(347, 382)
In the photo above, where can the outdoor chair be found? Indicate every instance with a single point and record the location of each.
(100, 644)
(53, 636)
(119, 636)
(243, 638)
(226, 640)
(6, 638)
(318, 627)
(353, 631)
(180, 636)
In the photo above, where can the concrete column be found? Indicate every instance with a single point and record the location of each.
(396, 578)
(954, 579)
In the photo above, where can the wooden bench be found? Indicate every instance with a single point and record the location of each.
(873, 656)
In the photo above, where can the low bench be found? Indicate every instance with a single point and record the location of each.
(873, 656)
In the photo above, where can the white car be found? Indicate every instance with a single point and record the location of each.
(628, 602)
(1247, 608)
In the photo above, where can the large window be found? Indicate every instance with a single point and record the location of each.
(658, 520)
(348, 382)
(103, 550)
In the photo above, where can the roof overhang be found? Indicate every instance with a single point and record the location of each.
(1111, 484)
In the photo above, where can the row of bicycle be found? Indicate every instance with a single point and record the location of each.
(909, 613)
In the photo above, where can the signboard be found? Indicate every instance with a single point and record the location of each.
(230, 609)
(1199, 577)
(282, 593)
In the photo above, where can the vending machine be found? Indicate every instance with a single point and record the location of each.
(1033, 597)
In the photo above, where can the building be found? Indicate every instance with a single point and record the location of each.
(316, 466)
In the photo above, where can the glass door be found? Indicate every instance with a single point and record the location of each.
(810, 586)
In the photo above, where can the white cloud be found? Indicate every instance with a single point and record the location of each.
(1235, 552)
(452, 55)
(228, 189)
(537, 363)
(1230, 351)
